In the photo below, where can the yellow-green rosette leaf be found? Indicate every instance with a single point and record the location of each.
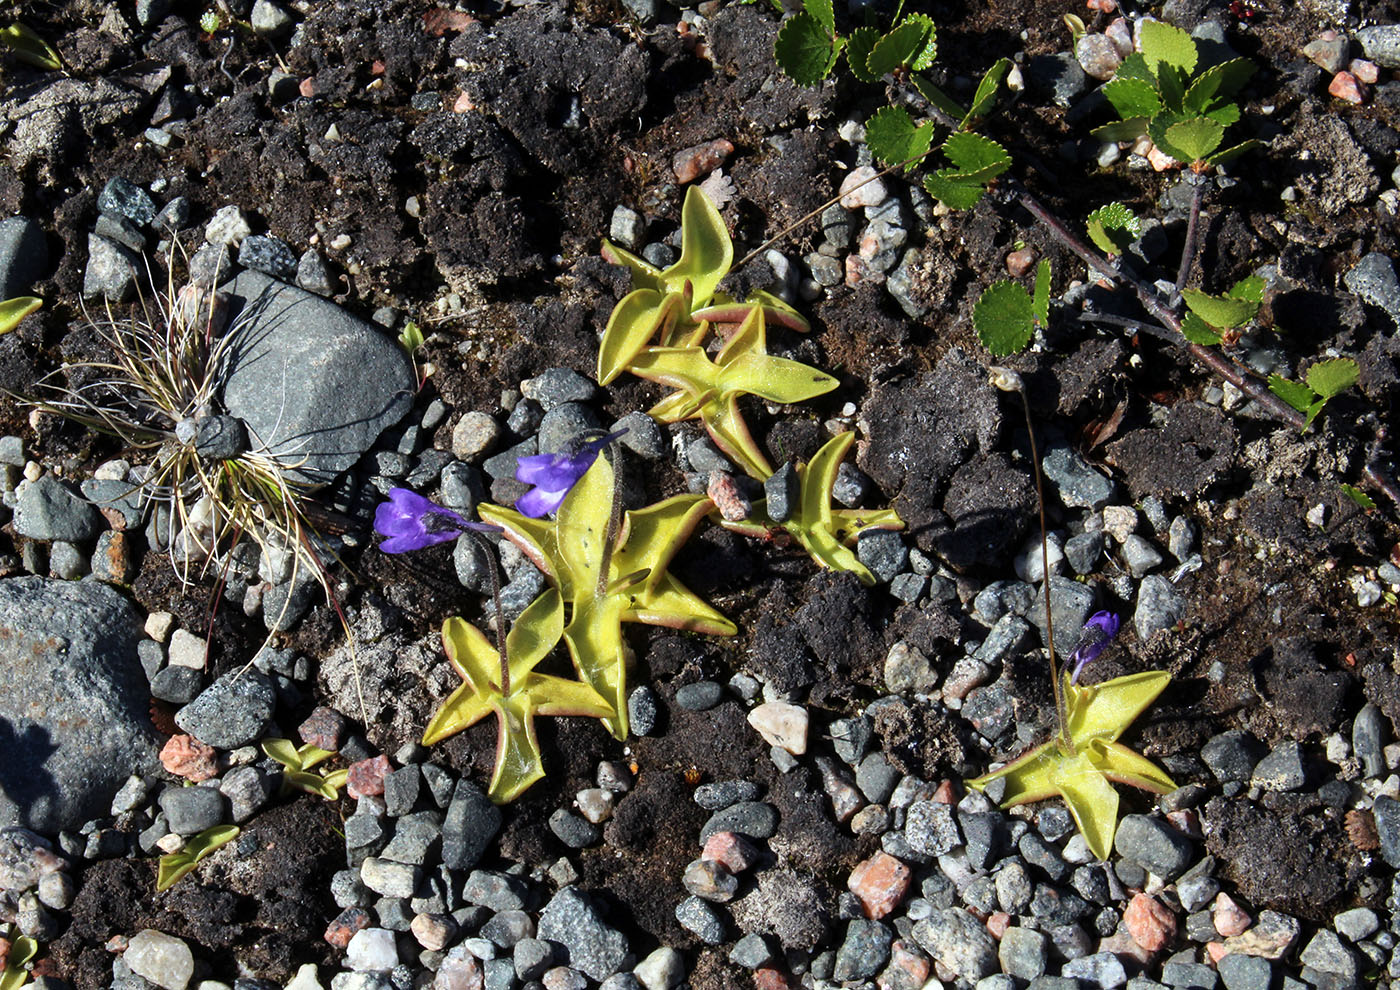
(13, 311)
(1004, 318)
(173, 866)
(819, 478)
(284, 751)
(805, 50)
(1122, 766)
(471, 654)
(706, 251)
(645, 275)
(634, 321)
(29, 47)
(775, 379)
(1091, 799)
(1328, 378)
(893, 136)
(1163, 43)
(14, 975)
(1103, 711)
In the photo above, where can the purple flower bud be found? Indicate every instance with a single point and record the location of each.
(411, 522)
(554, 474)
(1101, 627)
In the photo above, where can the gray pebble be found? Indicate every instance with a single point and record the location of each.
(755, 819)
(469, 827)
(191, 810)
(883, 552)
(1140, 555)
(47, 509)
(1154, 845)
(722, 794)
(1084, 551)
(701, 920)
(573, 831)
(644, 436)
(1282, 769)
(700, 696)
(1078, 484)
(929, 828)
(864, 951)
(1368, 737)
(852, 485)
(1159, 606)
(556, 386)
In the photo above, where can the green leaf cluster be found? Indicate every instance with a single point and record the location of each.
(22, 950)
(298, 761)
(1208, 316)
(808, 46)
(12, 311)
(1158, 92)
(826, 534)
(1084, 772)
(1113, 228)
(175, 865)
(1006, 315)
(1324, 380)
(29, 47)
(637, 586)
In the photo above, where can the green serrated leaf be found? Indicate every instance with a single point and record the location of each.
(804, 50)
(1220, 311)
(859, 45)
(1004, 318)
(1132, 97)
(1296, 394)
(1135, 66)
(1331, 377)
(1358, 496)
(1231, 153)
(938, 98)
(1197, 138)
(13, 311)
(1198, 331)
(1162, 43)
(896, 49)
(977, 157)
(1171, 87)
(1113, 227)
(927, 49)
(1313, 412)
(824, 13)
(1121, 130)
(894, 138)
(1224, 115)
(1250, 289)
(986, 94)
(1216, 84)
(1040, 303)
(953, 189)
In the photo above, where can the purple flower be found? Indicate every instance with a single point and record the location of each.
(554, 474)
(1101, 627)
(411, 522)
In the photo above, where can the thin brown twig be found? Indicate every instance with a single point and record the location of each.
(1188, 250)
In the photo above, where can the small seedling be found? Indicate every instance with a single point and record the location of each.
(15, 975)
(505, 683)
(1211, 319)
(1158, 92)
(826, 534)
(29, 47)
(175, 865)
(1365, 501)
(1113, 228)
(1325, 380)
(298, 761)
(411, 340)
(13, 311)
(1006, 315)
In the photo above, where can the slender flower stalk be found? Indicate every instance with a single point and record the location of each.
(554, 474)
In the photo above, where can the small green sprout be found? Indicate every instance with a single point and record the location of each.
(298, 761)
(175, 865)
(411, 340)
(1365, 501)
(676, 305)
(1210, 319)
(709, 390)
(13, 311)
(1006, 315)
(1083, 766)
(15, 975)
(1113, 228)
(826, 534)
(1325, 380)
(510, 688)
(211, 21)
(611, 573)
(1158, 92)
(29, 47)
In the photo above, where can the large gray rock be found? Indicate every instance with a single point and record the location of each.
(24, 256)
(73, 721)
(313, 384)
(591, 945)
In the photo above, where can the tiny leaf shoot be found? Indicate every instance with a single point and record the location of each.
(175, 865)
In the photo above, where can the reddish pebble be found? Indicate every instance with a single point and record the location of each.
(1229, 917)
(307, 87)
(323, 728)
(1345, 86)
(881, 883)
(908, 967)
(768, 978)
(724, 492)
(463, 103)
(1106, 6)
(340, 931)
(1364, 71)
(4, 952)
(366, 778)
(185, 756)
(1149, 921)
(701, 159)
(1019, 262)
(1187, 821)
(731, 850)
(1216, 951)
(946, 793)
(997, 924)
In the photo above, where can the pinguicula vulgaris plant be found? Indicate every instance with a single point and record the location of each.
(1084, 759)
(12, 311)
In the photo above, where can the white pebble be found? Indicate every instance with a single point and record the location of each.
(372, 950)
(781, 724)
(163, 959)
